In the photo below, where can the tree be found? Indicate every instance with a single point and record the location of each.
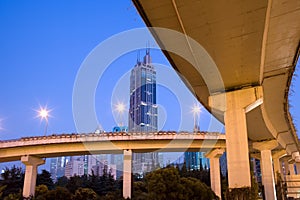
(84, 194)
(13, 179)
(45, 179)
(59, 193)
(40, 192)
(62, 181)
(14, 196)
(195, 189)
(74, 183)
(2, 188)
(167, 184)
(164, 184)
(140, 191)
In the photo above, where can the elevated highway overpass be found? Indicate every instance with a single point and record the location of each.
(108, 143)
(33, 150)
(254, 46)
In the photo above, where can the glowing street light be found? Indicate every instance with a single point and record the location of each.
(120, 108)
(196, 110)
(43, 113)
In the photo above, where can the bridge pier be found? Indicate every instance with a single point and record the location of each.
(298, 168)
(291, 167)
(215, 178)
(31, 163)
(285, 161)
(235, 105)
(278, 171)
(127, 167)
(268, 180)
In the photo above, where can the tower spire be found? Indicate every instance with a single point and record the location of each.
(138, 57)
(147, 57)
(147, 48)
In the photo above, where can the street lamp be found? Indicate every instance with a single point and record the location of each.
(196, 110)
(43, 113)
(120, 108)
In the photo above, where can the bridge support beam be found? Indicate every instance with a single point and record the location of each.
(235, 105)
(285, 161)
(278, 171)
(215, 177)
(298, 168)
(31, 163)
(268, 181)
(127, 166)
(291, 168)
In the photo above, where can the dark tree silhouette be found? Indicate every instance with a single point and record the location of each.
(45, 179)
(13, 179)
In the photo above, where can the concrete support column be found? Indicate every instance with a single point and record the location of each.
(215, 179)
(291, 168)
(277, 163)
(235, 105)
(31, 164)
(298, 168)
(267, 167)
(127, 173)
(285, 161)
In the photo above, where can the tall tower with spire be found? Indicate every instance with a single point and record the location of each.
(143, 109)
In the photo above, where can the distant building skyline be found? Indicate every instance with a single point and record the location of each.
(57, 167)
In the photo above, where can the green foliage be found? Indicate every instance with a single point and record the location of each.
(74, 183)
(2, 188)
(203, 174)
(13, 179)
(164, 184)
(14, 196)
(195, 189)
(59, 193)
(62, 181)
(84, 194)
(140, 191)
(167, 184)
(239, 193)
(45, 179)
(40, 192)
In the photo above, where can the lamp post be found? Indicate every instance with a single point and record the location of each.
(44, 114)
(196, 109)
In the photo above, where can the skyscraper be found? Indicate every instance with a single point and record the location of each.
(143, 109)
(57, 167)
(196, 160)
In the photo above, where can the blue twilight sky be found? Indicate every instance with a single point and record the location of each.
(42, 46)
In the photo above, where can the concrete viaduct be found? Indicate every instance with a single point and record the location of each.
(32, 150)
(238, 58)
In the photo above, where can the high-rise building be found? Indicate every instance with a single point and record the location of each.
(143, 109)
(76, 166)
(196, 160)
(57, 167)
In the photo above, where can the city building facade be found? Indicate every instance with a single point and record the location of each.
(196, 160)
(57, 167)
(143, 109)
